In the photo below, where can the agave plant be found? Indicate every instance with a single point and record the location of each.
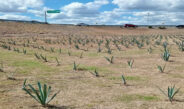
(123, 79)
(117, 46)
(109, 50)
(9, 48)
(157, 42)
(24, 51)
(99, 49)
(69, 53)
(52, 49)
(44, 58)
(58, 63)
(10, 76)
(140, 45)
(165, 46)
(75, 66)
(171, 92)
(70, 40)
(81, 55)
(150, 50)
(77, 47)
(17, 50)
(130, 63)
(1, 67)
(110, 60)
(181, 46)
(37, 56)
(96, 73)
(41, 95)
(166, 55)
(24, 84)
(43, 48)
(4, 46)
(147, 42)
(14, 43)
(160, 68)
(60, 51)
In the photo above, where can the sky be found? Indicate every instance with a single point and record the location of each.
(108, 12)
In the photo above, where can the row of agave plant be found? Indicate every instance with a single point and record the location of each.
(81, 43)
(41, 95)
(165, 55)
(171, 90)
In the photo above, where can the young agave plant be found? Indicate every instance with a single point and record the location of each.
(117, 46)
(166, 55)
(160, 68)
(99, 49)
(58, 63)
(171, 92)
(130, 63)
(69, 53)
(123, 79)
(42, 95)
(150, 50)
(181, 46)
(96, 73)
(60, 51)
(77, 47)
(110, 60)
(17, 50)
(81, 55)
(24, 84)
(9, 48)
(1, 67)
(75, 66)
(109, 50)
(37, 56)
(147, 42)
(165, 46)
(10, 76)
(140, 45)
(4, 46)
(52, 49)
(44, 58)
(24, 51)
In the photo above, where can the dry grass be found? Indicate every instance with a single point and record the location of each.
(80, 89)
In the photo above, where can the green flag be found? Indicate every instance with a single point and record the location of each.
(53, 11)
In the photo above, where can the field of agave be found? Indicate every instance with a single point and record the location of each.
(68, 67)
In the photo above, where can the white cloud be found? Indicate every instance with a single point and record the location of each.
(19, 5)
(14, 17)
(159, 17)
(167, 11)
(81, 10)
(156, 5)
(128, 11)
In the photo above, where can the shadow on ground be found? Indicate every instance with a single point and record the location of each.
(57, 107)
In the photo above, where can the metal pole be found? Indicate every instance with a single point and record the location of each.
(45, 17)
(148, 17)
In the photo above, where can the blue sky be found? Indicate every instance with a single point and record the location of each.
(112, 12)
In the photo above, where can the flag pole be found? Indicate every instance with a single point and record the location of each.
(45, 17)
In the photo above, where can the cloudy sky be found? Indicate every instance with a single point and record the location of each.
(169, 12)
